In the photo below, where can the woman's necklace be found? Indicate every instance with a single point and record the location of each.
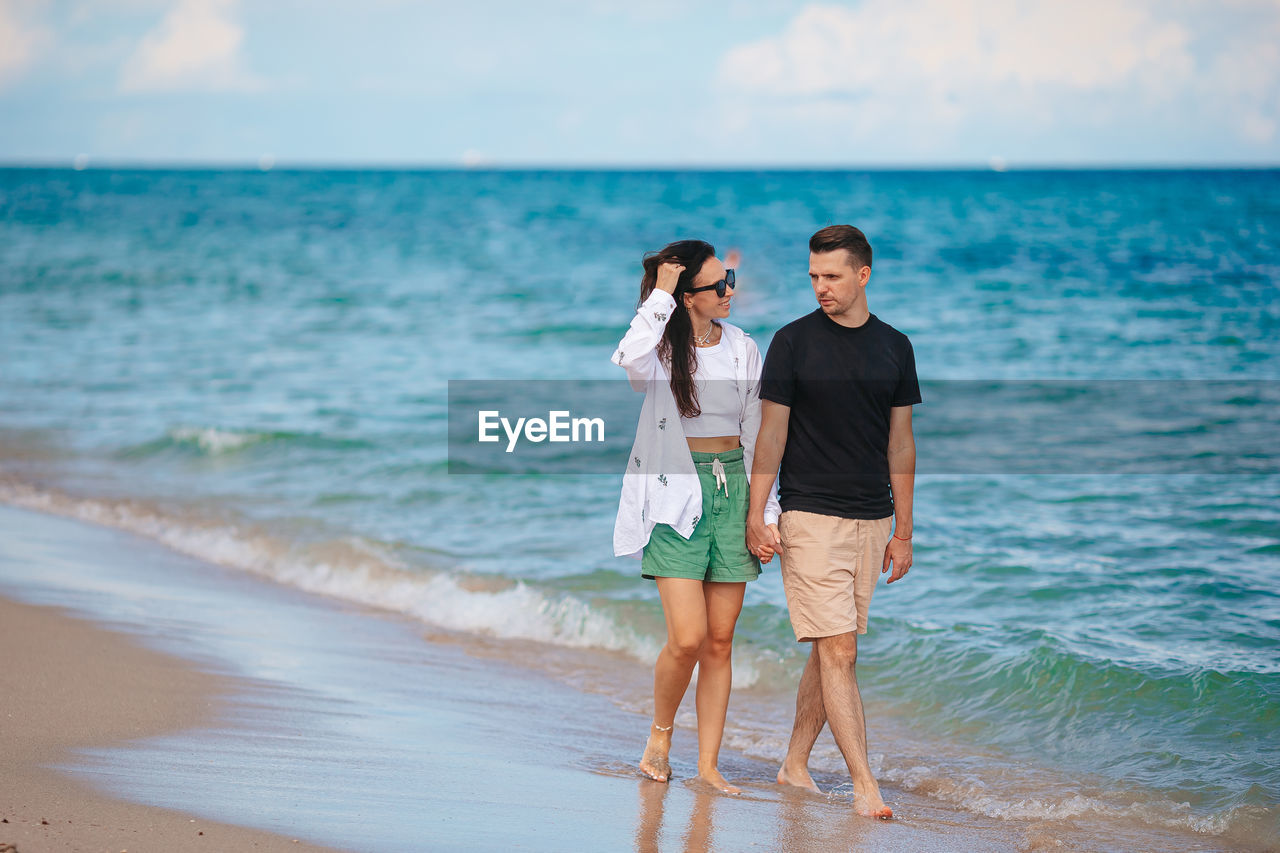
(701, 340)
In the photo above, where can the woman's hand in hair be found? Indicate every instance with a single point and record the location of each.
(669, 276)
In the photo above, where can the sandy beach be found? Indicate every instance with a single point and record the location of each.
(149, 698)
(67, 685)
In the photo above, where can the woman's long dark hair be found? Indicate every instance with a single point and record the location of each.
(676, 347)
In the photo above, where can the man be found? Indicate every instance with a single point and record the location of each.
(837, 391)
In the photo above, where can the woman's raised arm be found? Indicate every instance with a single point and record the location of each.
(638, 350)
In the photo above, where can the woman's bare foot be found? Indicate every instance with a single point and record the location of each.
(797, 776)
(655, 763)
(713, 778)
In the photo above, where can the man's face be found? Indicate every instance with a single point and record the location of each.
(838, 286)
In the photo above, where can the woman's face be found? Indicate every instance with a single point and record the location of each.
(707, 305)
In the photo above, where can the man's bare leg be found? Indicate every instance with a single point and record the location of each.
(811, 716)
(715, 678)
(837, 657)
(686, 614)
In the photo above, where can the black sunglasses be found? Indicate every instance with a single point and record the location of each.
(720, 287)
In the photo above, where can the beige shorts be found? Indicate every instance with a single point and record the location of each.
(829, 570)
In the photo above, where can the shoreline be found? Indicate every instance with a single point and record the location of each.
(68, 685)
(378, 731)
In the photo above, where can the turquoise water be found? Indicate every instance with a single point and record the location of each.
(252, 367)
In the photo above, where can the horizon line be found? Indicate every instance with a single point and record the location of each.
(268, 163)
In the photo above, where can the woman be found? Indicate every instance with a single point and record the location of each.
(684, 502)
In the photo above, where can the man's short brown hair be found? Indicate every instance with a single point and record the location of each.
(845, 237)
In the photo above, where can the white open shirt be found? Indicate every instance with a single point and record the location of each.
(661, 485)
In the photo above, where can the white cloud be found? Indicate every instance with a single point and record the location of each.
(1246, 81)
(21, 42)
(957, 46)
(195, 48)
(937, 66)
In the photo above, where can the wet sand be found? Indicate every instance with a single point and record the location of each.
(65, 684)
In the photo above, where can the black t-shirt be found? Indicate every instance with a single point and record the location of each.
(840, 384)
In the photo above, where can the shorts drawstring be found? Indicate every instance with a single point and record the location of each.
(717, 471)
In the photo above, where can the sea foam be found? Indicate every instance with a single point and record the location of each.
(357, 570)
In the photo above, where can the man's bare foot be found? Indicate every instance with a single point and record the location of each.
(655, 763)
(868, 803)
(799, 777)
(713, 778)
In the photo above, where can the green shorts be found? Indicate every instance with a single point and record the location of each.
(717, 550)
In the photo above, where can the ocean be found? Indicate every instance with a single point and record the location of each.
(254, 368)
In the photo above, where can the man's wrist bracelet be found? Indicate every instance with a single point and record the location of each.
(896, 536)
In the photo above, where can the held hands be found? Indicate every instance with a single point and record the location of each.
(669, 276)
(897, 552)
(763, 540)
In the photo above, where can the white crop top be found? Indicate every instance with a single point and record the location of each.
(717, 387)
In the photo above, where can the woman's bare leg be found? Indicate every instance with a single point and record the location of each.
(685, 610)
(715, 677)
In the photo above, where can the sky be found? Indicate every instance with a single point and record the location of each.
(641, 83)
